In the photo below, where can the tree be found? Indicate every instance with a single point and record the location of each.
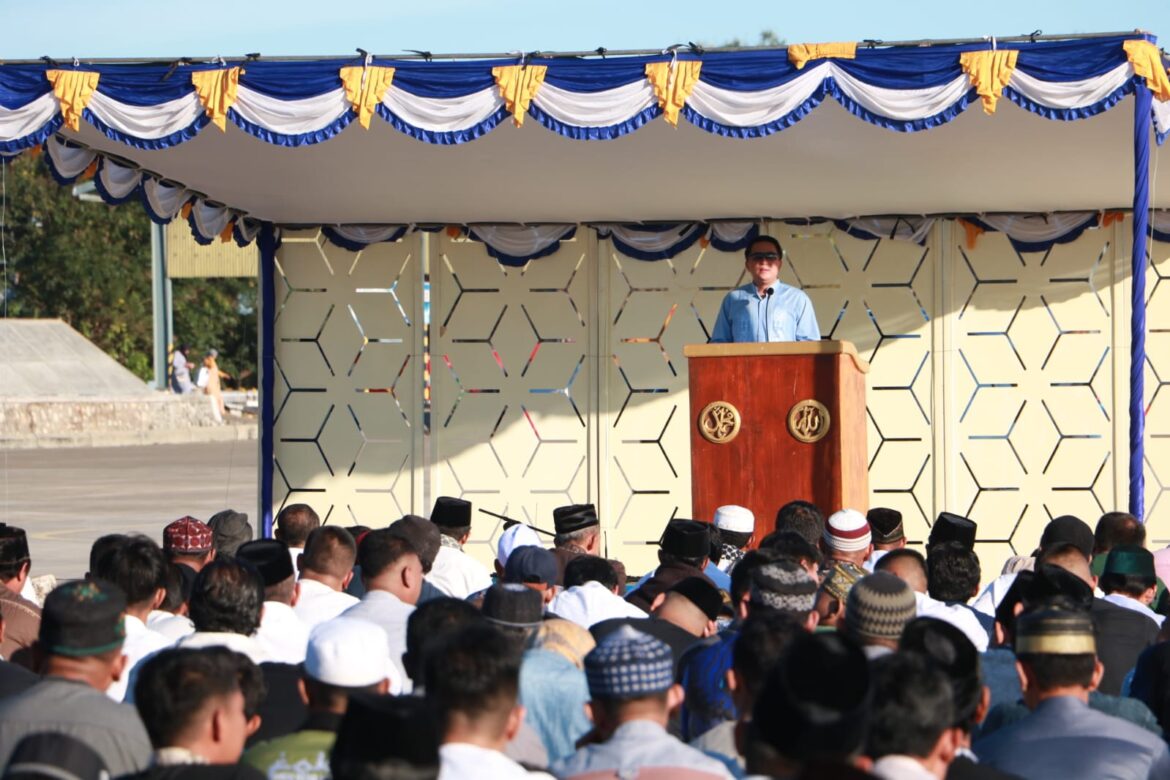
(767, 38)
(89, 265)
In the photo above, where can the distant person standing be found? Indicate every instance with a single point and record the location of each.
(208, 380)
(181, 372)
(765, 309)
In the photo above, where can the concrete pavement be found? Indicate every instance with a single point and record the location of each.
(66, 498)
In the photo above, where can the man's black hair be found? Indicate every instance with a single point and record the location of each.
(1117, 528)
(228, 596)
(178, 588)
(741, 575)
(175, 685)
(803, 518)
(294, 523)
(949, 649)
(765, 240)
(474, 671)
(666, 559)
(1060, 671)
(952, 572)
(792, 545)
(1132, 585)
(590, 568)
(762, 640)
(736, 539)
(889, 558)
(912, 706)
(430, 622)
(380, 550)
(330, 550)
(137, 566)
(101, 546)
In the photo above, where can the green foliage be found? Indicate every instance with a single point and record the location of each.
(89, 265)
(767, 38)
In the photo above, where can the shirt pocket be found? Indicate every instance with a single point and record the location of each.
(781, 325)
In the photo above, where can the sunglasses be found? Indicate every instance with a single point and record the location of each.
(762, 256)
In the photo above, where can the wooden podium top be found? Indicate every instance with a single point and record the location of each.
(751, 349)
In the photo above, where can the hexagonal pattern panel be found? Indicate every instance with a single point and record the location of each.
(1157, 461)
(348, 387)
(512, 399)
(1032, 383)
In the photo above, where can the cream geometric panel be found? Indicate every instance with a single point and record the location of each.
(512, 381)
(654, 309)
(879, 295)
(348, 390)
(1030, 379)
(1157, 444)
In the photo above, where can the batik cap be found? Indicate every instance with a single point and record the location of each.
(187, 535)
(83, 618)
(841, 578)
(628, 664)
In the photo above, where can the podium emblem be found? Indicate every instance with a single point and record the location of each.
(719, 422)
(808, 421)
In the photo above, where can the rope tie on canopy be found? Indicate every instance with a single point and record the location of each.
(73, 90)
(217, 91)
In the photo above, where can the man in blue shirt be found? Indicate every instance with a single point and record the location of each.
(766, 309)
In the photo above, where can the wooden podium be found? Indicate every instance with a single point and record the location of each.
(775, 422)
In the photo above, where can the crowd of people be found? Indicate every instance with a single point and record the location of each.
(825, 648)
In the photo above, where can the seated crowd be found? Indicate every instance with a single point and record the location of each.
(828, 648)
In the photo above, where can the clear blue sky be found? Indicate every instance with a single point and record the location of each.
(136, 28)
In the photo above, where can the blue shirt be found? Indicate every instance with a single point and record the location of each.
(785, 315)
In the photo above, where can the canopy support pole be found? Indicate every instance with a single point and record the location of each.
(267, 324)
(1137, 361)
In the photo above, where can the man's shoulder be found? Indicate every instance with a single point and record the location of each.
(199, 772)
(13, 600)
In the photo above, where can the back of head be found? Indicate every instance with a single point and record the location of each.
(782, 586)
(1056, 645)
(1117, 528)
(14, 552)
(590, 568)
(792, 545)
(49, 756)
(912, 706)
(329, 550)
(386, 738)
(174, 687)
(137, 566)
(179, 582)
(271, 559)
(1050, 582)
(952, 572)
(1129, 570)
(878, 608)
(1068, 556)
(762, 640)
(430, 622)
(422, 534)
(294, 524)
(741, 575)
(227, 596)
(380, 551)
(803, 518)
(815, 704)
(229, 529)
(949, 649)
(474, 672)
(907, 565)
(101, 546)
(1068, 529)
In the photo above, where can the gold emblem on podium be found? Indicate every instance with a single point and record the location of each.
(808, 421)
(719, 422)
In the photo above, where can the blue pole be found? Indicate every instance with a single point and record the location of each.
(266, 320)
(1137, 360)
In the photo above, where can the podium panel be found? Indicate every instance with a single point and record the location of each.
(772, 423)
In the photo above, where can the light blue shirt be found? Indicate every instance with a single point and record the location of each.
(553, 692)
(635, 745)
(785, 315)
(721, 578)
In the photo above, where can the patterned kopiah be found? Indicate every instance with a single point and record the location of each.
(629, 664)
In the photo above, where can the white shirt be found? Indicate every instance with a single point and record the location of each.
(140, 642)
(173, 627)
(993, 594)
(459, 760)
(901, 768)
(319, 602)
(1122, 600)
(458, 574)
(282, 636)
(238, 642)
(957, 615)
(591, 603)
(872, 561)
(389, 613)
(294, 553)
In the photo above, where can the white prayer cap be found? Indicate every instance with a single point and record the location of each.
(349, 653)
(736, 519)
(518, 535)
(847, 531)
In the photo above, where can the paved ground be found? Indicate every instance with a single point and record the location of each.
(66, 498)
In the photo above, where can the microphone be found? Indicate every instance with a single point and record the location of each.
(767, 308)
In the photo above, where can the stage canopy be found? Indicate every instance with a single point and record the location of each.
(1037, 137)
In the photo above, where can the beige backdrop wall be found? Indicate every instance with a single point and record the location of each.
(998, 388)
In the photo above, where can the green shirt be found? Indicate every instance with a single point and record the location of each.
(302, 755)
